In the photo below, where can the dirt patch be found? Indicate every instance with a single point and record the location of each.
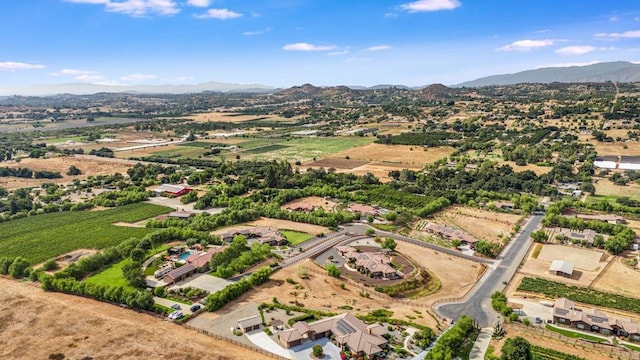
(619, 278)
(405, 154)
(338, 163)
(77, 327)
(290, 225)
(482, 224)
(215, 116)
(539, 170)
(607, 187)
(617, 148)
(551, 341)
(88, 165)
(316, 290)
(587, 264)
(314, 201)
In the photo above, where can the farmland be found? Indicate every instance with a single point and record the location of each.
(111, 275)
(38, 238)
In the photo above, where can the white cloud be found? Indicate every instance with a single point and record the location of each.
(633, 34)
(391, 15)
(220, 14)
(576, 50)
(581, 50)
(526, 45)
(184, 78)
(613, 19)
(138, 77)
(199, 3)
(337, 53)
(72, 72)
(430, 5)
(257, 32)
(135, 8)
(13, 66)
(378, 48)
(89, 78)
(307, 47)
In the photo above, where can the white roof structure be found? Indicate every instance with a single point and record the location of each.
(169, 188)
(561, 266)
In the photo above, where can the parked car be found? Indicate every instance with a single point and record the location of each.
(176, 307)
(175, 315)
(538, 320)
(194, 308)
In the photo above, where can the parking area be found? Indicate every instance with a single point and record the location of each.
(533, 309)
(206, 282)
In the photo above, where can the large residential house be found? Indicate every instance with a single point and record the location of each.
(173, 190)
(452, 234)
(566, 313)
(349, 333)
(609, 218)
(262, 234)
(376, 265)
(364, 210)
(194, 263)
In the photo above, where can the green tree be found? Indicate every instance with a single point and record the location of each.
(73, 170)
(516, 349)
(18, 267)
(317, 351)
(389, 243)
(370, 232)
(539, 236)
(50, 265)
(333, 270)
(132, 272)
(137, 254)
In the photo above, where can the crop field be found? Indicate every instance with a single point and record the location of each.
(401, 154)
(198, 144)
(38, 238)
(111, 275)
(266, 149)
(338, 163)
(180, 151)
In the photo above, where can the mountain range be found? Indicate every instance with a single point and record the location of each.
(618, 71)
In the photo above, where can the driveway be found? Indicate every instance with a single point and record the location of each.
(477, 304)
(202, 281)
(176, 204)
(168, 303)
(263, 341)
(303, 352)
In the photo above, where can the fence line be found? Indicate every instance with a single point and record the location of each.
(235, 342)
(615, 350)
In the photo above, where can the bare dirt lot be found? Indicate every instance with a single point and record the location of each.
(587, 264)
(36, 324)
(619, 278)
(405, 154)
(617, 148)
(607, 187)
(381, 169)
(215, 116)
(482, 224)
(88, 165)
(337, 163)
(290, 225)
(315, 201)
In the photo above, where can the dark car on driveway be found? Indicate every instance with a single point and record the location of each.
(194, 308)
(176, 307)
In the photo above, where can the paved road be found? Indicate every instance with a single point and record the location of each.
(478, 303)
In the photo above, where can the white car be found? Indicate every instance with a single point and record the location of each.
(175, 315)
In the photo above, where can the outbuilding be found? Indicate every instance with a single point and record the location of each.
(561, 268)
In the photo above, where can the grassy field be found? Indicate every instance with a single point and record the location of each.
(575, 335)
(295, 237)
(300, 149)
(38, 238)
(180, 151)
(111, 275)
(198, 144)
(266, 149)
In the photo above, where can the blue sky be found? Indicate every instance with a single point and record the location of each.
(290, 42)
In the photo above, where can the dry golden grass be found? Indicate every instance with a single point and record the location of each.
(290, 225)
(619, 278)
(36, 324)
(216, 116)
(316, 201)
(482, 224)
(617, 148)
(405, 154)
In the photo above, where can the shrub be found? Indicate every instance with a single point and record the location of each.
(50, 265)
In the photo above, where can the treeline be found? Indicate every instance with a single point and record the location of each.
(238, 257)
(425, 138)
(28, 173)
(456, 342)
(220, 298)
(121, 197)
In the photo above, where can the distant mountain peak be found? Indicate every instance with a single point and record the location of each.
(616, 71)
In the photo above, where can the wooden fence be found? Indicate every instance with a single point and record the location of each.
(235, 342)
(615, 351)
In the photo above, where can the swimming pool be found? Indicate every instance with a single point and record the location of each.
(184, 255)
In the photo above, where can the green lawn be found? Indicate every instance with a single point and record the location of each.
(295, 237)
(632, 347)
(575, 335)
(299, 149)
(111, 275)
(180, 151)
(41, 237)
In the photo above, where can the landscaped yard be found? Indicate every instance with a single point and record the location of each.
(575, 335)
(41, 237)
(295, 237)
(112, 276)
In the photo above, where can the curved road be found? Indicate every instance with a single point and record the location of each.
(477, 303)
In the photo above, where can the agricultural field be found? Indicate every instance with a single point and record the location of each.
(606, 187)
(400, 154)
(89, 165)
(299, 149)
(482, 224)
(290, 225)
(617, 148)
(316, 201)
(41, 237)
